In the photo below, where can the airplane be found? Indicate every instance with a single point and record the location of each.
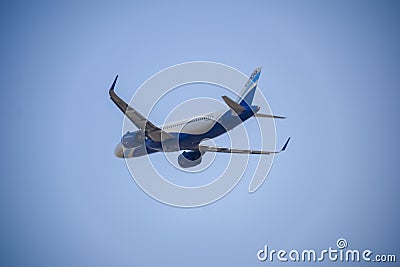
(187, 135)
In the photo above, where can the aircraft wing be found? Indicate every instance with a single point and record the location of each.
(151, 131)
(240, 151)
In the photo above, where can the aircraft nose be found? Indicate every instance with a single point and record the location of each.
(119, 151)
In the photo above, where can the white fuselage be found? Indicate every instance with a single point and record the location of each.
(196, 125)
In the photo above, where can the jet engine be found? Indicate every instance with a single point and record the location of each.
(133, 139)
(189, 159)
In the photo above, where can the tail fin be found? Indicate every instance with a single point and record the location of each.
(247, 95)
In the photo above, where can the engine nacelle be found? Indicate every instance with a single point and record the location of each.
(133, 139)
(189, 159)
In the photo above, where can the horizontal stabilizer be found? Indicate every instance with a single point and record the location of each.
(233, 105)
(259, 115)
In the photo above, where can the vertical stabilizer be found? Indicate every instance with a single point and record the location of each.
(247, 95)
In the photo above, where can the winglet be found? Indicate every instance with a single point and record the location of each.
(284, 147)
(113, 84)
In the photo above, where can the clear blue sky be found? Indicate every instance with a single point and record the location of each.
(332, 67)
